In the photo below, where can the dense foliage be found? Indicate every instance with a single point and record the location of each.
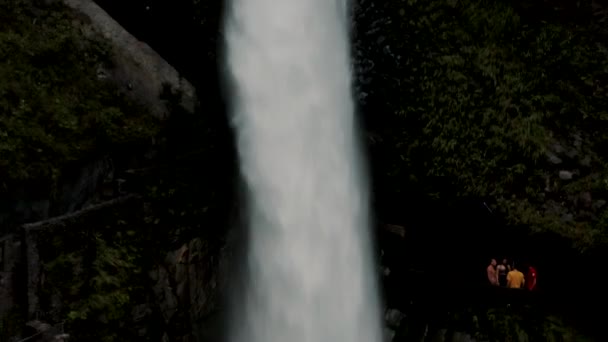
(54, 112)
(96, 272)
(500, 104)
(53, 108)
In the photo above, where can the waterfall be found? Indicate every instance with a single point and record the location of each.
(310, 273)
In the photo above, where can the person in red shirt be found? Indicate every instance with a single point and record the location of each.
(531, 279)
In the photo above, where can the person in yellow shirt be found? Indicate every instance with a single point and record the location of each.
(515, 279)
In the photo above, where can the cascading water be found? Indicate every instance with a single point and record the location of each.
(310, 274)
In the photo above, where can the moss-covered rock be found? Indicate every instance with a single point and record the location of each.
(54, 109)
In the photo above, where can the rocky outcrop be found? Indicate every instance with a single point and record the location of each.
(136, 69)
(190, 286)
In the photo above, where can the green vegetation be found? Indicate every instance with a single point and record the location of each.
(97, 272)
(498, 104)
(54, 112)
(53, 108)
(488, 323)
(481, 95)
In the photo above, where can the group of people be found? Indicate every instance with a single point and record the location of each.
(507, 275)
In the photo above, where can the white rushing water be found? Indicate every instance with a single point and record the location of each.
(310, 274)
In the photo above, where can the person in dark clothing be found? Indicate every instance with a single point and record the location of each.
(503, 269)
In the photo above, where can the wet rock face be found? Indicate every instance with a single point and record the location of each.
(190, 285)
